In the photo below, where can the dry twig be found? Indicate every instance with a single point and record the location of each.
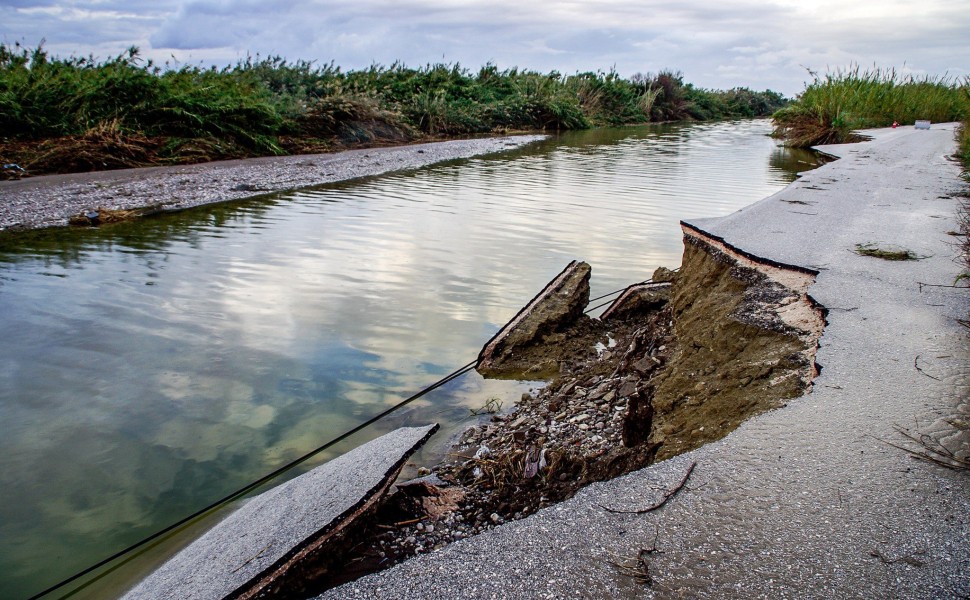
(659, 504)
(931, 450)
(916, 364)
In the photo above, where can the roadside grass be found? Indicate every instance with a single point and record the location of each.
(82, 113)
(963, 153)
(877, 251)
(834, 105)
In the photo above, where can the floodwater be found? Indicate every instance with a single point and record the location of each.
(150, 368)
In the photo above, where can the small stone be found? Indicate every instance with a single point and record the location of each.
(584, 426)
(419, 526)
(429, 528)
(495, 518)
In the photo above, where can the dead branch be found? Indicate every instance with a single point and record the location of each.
(637, 566)
(916, 364)
(657, 505)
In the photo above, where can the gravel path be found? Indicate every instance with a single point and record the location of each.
(804, 501)
(51, 200)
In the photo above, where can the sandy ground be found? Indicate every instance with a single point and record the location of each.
(50, 200)
(807, 501)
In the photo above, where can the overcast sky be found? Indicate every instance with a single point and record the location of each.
(715, 43)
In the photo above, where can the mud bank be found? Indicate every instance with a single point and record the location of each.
(807, 500)
(52, 200)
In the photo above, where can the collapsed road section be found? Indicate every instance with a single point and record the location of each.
(815, 499)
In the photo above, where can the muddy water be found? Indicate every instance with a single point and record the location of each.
(147, 369)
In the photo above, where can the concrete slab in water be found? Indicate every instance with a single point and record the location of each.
(260, 541)
(557, 307)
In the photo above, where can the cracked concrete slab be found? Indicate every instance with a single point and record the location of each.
(807, 501)
(259, 541)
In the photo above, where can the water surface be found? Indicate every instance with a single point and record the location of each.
(149, 368)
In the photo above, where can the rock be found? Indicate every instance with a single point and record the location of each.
(628, 388)
(557, 307)
(639, 418)
(637, 300)
(664, 275)
(645, 365)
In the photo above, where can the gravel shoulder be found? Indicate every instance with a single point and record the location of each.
(806, 501)
(49, 201)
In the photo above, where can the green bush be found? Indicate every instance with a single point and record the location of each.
(270, 106)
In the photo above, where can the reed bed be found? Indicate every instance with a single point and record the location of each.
(70, 114)
(836, 104)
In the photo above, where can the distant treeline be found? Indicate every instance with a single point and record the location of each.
(75, 114)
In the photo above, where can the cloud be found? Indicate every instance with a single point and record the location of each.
(715, 44)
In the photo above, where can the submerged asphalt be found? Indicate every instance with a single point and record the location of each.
(807, 501)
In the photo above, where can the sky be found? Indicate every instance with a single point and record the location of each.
(719, 44)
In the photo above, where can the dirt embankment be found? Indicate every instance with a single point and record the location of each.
(668, 368)
(746, 332)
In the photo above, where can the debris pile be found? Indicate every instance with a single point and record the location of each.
(674, 363)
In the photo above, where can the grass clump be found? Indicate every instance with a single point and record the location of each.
(876, 251)
(78, 114)
(831, 107)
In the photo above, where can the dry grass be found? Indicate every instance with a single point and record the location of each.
(104, 216)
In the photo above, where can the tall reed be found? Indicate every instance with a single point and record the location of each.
(835, 104)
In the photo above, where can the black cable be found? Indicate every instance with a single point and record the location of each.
(615, 293)
(245, 490)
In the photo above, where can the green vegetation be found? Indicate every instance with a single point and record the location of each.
(963, 139)
(876, 251)
(831, 107)
(76, 114)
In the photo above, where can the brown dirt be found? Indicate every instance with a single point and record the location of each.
(107, 148)
(736, 357)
